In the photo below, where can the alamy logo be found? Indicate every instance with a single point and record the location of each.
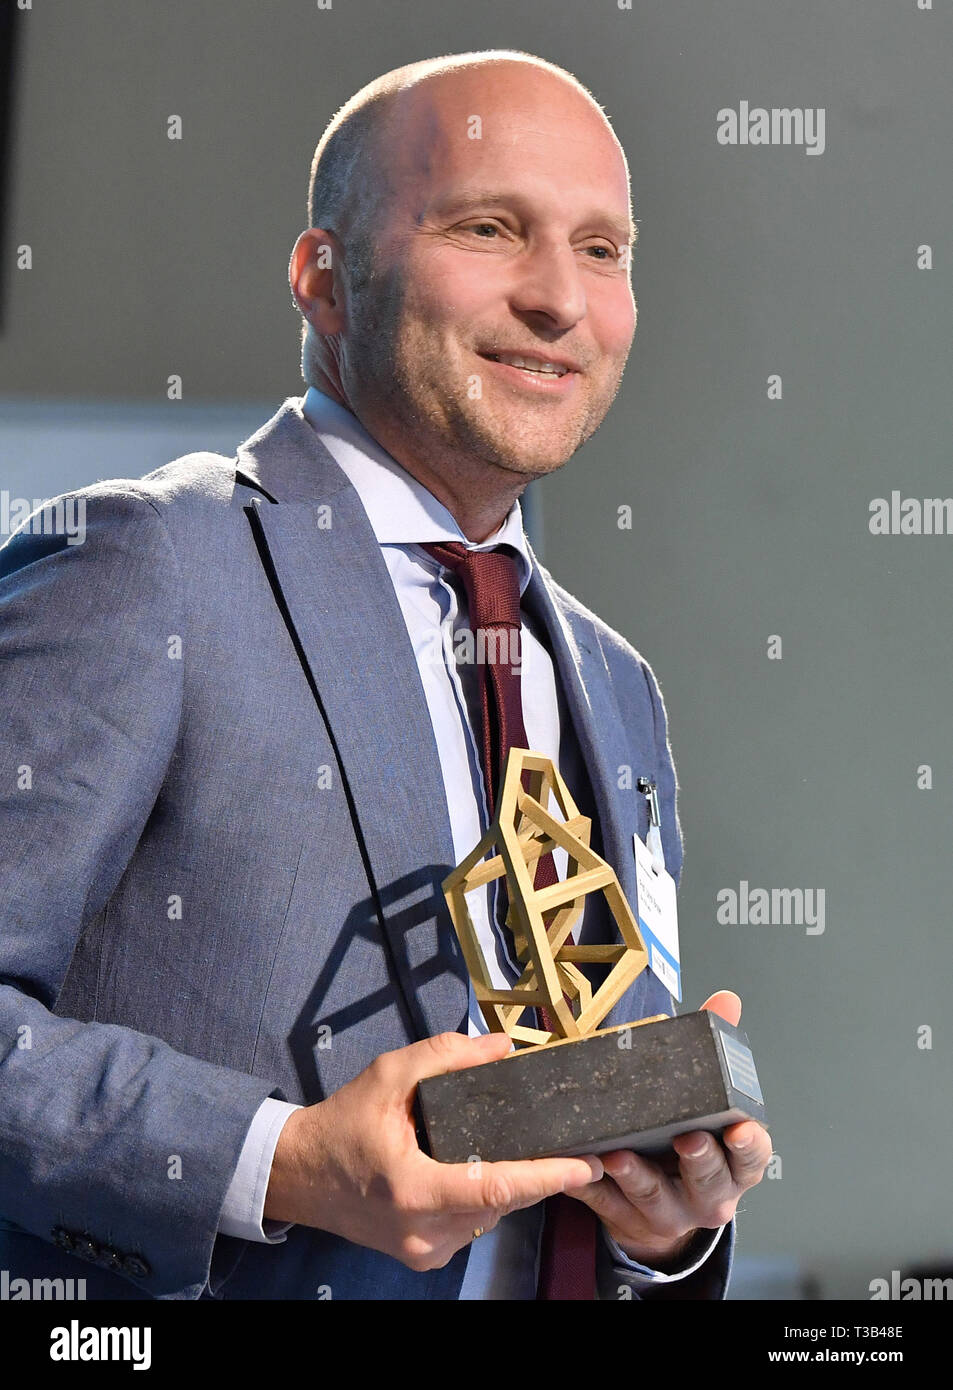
(777, 907)
(64, 517)
(911, 516)
(17, 1289)
(75, 1343)
(906, 1289)
(781, 125)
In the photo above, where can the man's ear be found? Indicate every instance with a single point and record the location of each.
(314, 280)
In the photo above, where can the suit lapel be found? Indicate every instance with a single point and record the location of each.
(353, 639)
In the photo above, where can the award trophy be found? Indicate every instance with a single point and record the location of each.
(574, 1089)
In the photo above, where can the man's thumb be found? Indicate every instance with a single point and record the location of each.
(726, 1005)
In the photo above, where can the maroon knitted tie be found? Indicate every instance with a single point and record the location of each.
(490, 577)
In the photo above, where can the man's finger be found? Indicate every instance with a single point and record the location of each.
(605, 1199)
(650, 1209)
(749, 1151)
(644, 1186)
(505, 1187)
(706, 1178)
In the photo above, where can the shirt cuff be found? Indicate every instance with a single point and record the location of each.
(694, 1259)
(243, 1212)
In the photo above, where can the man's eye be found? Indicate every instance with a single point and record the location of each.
(606, 255)
(484, 227)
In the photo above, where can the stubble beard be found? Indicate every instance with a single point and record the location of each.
(406, 378)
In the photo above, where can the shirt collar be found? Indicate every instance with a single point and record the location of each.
(400, 509)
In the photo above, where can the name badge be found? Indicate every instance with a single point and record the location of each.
(658, 917)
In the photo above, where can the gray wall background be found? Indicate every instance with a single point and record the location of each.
(750, 515)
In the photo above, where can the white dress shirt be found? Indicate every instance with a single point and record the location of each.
(503, 1263)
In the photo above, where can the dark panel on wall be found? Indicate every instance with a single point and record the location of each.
(8, 68)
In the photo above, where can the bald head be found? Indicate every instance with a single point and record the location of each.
(365, 147)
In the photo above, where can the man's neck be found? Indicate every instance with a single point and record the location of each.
(477, 506)
(478, 516)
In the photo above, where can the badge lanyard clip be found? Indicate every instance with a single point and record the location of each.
(653, 839)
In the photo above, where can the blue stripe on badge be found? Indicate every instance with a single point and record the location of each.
(668, 969)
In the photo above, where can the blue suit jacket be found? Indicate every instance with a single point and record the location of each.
(223, 829)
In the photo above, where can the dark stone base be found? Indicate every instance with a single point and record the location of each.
(631, 1089)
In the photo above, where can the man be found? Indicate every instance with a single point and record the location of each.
(241, 758)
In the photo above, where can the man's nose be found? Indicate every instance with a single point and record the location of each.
(550, 283)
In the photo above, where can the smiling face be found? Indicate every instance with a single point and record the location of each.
(496, 325)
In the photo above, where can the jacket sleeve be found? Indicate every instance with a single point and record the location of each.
(102, 1128)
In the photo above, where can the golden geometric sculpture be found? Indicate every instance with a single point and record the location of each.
(523, 830)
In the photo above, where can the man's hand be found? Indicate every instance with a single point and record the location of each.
(351, 1164)
(654, 1216)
